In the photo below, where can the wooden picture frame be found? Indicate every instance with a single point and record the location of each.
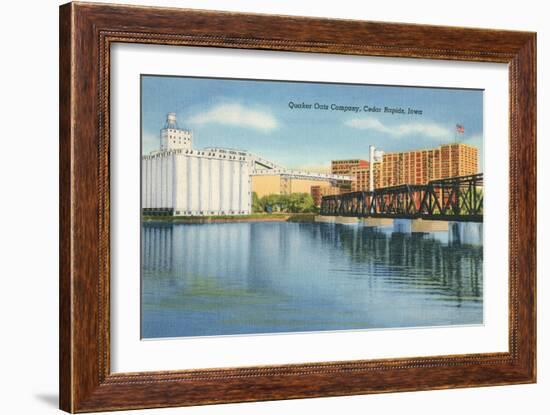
(86, 33)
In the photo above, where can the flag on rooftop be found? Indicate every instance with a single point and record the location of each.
(460, 128)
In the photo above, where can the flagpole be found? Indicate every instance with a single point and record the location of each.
(459, 129)
(456, 133)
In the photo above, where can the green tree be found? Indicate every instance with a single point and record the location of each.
(301, 203)
(257, 205)
(270, 202)
(292, 203)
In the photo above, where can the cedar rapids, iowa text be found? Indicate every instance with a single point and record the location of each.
(350, 108)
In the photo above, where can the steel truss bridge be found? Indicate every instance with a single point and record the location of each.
(452, 199)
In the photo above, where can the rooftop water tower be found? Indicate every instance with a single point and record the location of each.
(174, 138)
(171, 121)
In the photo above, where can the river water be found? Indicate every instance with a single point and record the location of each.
(260, 277)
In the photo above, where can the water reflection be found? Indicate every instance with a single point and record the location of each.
(238, 278)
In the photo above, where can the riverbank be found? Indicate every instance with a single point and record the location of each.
(255, 217)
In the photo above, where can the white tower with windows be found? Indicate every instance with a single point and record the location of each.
(183, 181)
(174, 138)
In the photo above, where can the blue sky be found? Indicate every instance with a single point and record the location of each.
(257, 116)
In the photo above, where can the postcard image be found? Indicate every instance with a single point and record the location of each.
(276, 206)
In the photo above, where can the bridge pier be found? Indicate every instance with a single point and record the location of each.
(347, 220)
(420, 226)
(377, 222)
(325, 219)
(468, 233)
(425, 226)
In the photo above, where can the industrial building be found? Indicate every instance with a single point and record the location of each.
(178, 180)
(282, 184)
(413, 167)
(345, 167)
(183, 181)
(317, 193)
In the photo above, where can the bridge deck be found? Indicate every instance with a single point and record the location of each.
(451, 199)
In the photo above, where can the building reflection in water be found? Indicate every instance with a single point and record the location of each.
(414, 259)
(236, 278)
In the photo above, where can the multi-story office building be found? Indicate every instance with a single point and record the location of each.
(345, 167)
(361, 177)
(418, 167)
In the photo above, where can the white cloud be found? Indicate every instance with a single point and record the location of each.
(427, 129)
(237, 115)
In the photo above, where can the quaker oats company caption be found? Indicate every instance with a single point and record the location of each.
(351, 108)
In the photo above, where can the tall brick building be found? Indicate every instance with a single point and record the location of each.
(346, 167)
(413, 167)
(317, 193)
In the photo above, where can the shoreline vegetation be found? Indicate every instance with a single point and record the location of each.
(295, 207)
(254, 217)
